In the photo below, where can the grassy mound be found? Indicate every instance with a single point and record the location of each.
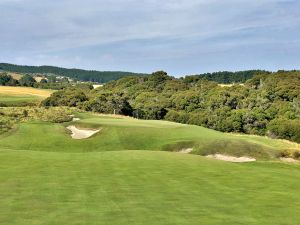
(130, 134)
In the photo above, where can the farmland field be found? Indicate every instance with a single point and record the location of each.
(131, 173)
(20, 96)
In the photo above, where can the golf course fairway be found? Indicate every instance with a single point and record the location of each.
(132, 172)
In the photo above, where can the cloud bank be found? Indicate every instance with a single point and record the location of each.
(179, 36)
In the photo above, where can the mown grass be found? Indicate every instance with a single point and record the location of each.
(130, 134)
(144, 187)
(48, 178)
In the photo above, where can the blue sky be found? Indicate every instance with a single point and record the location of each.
(178, 36)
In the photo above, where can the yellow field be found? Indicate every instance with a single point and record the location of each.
(21, 91)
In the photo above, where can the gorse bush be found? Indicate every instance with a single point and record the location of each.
(287, 129)
(290, 154)
(12, 115)
(296, 155)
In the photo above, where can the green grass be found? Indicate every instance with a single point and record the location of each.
(9, 100)
(22, 96)
(131, 134)
(48, 178)
(143, 187)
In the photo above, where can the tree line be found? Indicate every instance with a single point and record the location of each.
(267, 104)
(75, 74)
(50, 82)
(226, 77)
(223, 77)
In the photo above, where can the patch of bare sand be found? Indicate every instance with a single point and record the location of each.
(231, 158)
(81, 133)
(289, 160)
(186, 150)
(97, 85)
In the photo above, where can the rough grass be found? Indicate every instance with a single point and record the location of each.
(22, 96)
(48, 178)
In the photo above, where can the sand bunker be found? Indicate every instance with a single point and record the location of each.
(186, 150)
(231, 158)
(289, 160)
(75, 119)
(81, 133)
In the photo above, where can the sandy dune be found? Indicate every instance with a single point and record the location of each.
(81, 133)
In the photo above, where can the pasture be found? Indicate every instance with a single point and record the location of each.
(21, 96)
(132, 173)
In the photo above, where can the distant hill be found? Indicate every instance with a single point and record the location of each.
(79, 74)
(223, 77)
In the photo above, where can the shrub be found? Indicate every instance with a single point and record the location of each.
(285, 153)
(296, 155)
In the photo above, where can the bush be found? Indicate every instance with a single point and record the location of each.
(179, 117)
(296, 155)
(10, 116)
(285, 129)
(27, 81)
(70, 97)
(286, 153)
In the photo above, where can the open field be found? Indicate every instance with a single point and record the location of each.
(46, 177)
(19, 96)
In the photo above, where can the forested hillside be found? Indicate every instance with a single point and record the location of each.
(78, 74)
(226, 77)
(268, 104)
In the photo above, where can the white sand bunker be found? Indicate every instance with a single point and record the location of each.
(289, 160)
(81, 133)
(231, 158)
(186, 150)
(74, 118)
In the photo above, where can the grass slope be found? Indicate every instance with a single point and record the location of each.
(130, 134)
(20, 96)
(48, 178)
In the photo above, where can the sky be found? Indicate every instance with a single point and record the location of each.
(178, 36)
